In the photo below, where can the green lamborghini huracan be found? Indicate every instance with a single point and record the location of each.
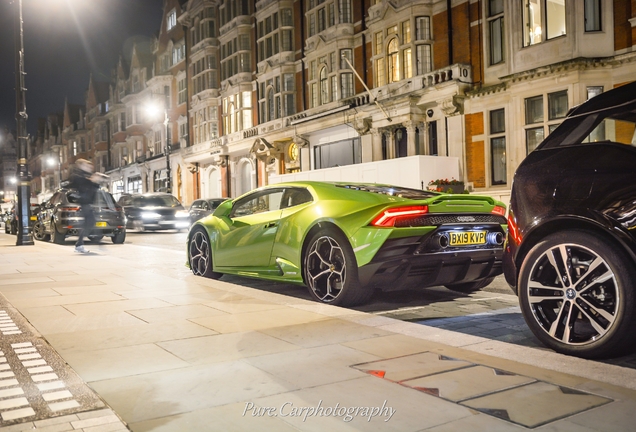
(344, 240)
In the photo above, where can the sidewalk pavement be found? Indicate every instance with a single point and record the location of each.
(161, 350)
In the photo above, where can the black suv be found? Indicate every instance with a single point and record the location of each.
(571, 249)
(59, 218)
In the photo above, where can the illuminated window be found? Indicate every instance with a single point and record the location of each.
(543, 20)
(393, 60)
(171, 20)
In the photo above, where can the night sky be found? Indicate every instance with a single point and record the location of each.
(64, 42)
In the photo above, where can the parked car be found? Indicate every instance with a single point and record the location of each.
(571, 247)
(59, 218)
(11, 218)
(11, 222)
(154, 211)
(203, 207)
(344, 240)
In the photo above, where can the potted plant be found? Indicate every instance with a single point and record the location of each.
(446, 186)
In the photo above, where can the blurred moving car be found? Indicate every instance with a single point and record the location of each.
(571, 247)
(154, 211)
(203, 207)
(59, 218)
(344, 240)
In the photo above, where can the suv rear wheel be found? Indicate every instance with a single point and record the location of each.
(576, 295)
(56, 236)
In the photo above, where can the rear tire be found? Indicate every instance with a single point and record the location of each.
(119, 238)
(56, 236)
(38, 232)
(200, 254)
(576, 295)
(330, 270)
(468, 287)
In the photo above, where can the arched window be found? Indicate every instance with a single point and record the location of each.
(214, 184)
(246, 178)
(393, 58)
(324, 87)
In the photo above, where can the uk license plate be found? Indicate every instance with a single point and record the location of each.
(467, 238)
(101, 224)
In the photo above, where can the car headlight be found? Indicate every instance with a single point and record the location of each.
(150, 215)
(182, 214)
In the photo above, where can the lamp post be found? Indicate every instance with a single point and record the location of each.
(24, 188)
(166, 123)
(153, 109)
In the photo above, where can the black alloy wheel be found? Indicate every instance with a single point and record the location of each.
(200, 254)
(576, 295)
(330, 270)
(119, 238)
(39, 233)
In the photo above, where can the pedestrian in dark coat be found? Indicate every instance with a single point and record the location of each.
(85, 185)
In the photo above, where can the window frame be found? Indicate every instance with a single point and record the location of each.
(496, 136)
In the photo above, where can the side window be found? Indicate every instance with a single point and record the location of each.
(295, 196)
(55, 199)
(260, 202)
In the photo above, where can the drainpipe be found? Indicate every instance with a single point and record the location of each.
(449, 15)
(227, 176)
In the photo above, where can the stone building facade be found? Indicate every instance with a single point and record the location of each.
(256, 90)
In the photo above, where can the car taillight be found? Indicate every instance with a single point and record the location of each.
(499, 210)
(389, 216)
(513, 230)
(69, 209)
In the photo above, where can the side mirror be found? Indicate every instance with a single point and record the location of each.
(224, 209)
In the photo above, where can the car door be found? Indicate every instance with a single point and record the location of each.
(48, 212)
(246, 240)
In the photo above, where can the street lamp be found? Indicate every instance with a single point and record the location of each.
(24, 236)
(153, 110)
(51, 161)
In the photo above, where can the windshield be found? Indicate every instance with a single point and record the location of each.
(156, 201)
(104, 199)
